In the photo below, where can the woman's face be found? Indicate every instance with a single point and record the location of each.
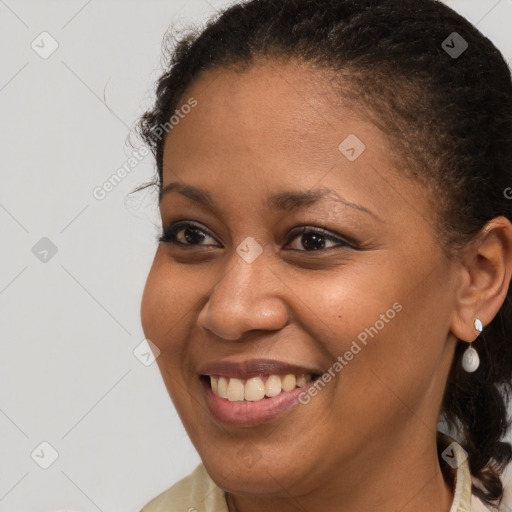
(257, 167)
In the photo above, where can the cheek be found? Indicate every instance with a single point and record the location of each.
(368, 321)
(154, 301)
(392, 338)
(168, 301)
(169, 297)
(344, 306)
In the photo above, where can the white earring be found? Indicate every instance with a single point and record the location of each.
(470, 359)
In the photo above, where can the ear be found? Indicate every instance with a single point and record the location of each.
(485, 274)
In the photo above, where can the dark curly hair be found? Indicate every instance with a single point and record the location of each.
(450, 118)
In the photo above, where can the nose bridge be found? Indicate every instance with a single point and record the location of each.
(246, 297)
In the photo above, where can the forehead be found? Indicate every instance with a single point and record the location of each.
(269, 96)
(279, 126)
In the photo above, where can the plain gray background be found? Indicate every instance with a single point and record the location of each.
(70, 320)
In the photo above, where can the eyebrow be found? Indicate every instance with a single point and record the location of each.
(284, 201)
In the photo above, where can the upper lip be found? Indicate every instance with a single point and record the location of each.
(253, 367)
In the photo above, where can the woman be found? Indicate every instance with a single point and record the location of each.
(332, 282)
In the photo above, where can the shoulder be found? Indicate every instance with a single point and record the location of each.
(478, 506)
(196, 492)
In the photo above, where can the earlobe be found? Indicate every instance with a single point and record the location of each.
(486, 267)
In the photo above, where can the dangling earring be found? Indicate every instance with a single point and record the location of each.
(470, 359)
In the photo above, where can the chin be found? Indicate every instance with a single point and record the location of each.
(261, 479)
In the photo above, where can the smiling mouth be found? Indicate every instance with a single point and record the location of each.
(257, 388)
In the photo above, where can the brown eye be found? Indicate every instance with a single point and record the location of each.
(315, 239)
(186, 233)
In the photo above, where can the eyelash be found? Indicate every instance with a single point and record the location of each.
(170, 235)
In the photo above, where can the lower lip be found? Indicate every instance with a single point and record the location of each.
(249, 414)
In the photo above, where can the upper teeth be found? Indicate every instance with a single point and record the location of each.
(256, 388)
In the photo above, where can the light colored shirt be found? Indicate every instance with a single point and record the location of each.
(197, 492)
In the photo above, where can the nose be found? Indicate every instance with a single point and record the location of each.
(247, 297)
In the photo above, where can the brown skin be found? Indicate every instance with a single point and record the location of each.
(367, 441)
